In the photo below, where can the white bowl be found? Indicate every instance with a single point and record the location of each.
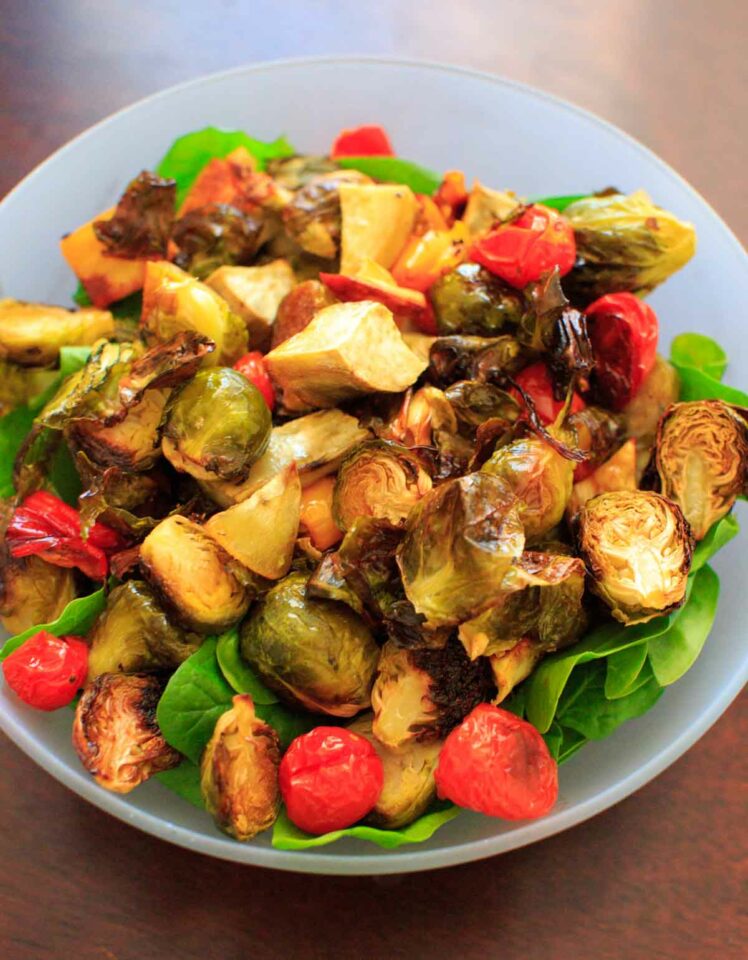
(507, 135)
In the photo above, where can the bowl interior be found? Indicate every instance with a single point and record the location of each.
(506, 135)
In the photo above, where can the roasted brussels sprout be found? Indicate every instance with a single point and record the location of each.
(488, 359)
(420, 694)
(642, 415)
(380, 479)
(298, 308)
(22, 384)
(194, 576)
(470, 300)
(32, 333)
(32, 591)
(541, 598)
(139, 228)
(313, 216)
(598, 433)
(216, 235)
(115, 733)
(461, 539)
(624, 243)
(702, 460)
(134, 635)
(475, 402)
(540, 478)
(239, 772)
(316, 654)
(217, 425)
(637, 548)
(348, 349)
(409, 785)
(617, 473)
(295, 172)
(173, 301)
(513, 666)
(316, 443)
(133, 443)
(260, 532)
(423, 417)
(254, 294)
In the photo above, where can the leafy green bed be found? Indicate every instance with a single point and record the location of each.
(581, 694)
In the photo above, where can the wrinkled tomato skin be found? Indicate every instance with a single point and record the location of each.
(527, 248)
(498, 764)
(329, 779)
(252, 366)
(536, 381)
(623, 332)
(47, 671)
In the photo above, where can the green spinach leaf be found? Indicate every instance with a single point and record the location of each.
(394, 170)
(184, 780)
(591, 714)
(719, 534)
(238, 672)
(623, 669)
(77, 618)
(699, 352)
(561, 203)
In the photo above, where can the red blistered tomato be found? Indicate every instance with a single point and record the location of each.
(623, 331)
(47, 671)
(522, 251)
(329, 779)
(497, 764)
(536, 382)
(252, 365)
(366, 141)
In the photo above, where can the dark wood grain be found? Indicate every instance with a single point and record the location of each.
(663, 874)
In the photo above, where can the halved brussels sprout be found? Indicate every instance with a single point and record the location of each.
(133, 443)
(254, 294)
(22, 384)
(475, 402)
(260, 532)
(702, 460)
(541, 598)
(239, 772)
(598, 431)
(637, 548)
(194, 575)
(513, 666)
(475, 358)
(126, 501)
(624, 243)
(142, 221)
(115, 733)
(380, 479)
(540, 478)
(470, 300)
(298, 308)
(174, 301)
(316, 443)
(316, 654)
(134, 635)
(461, 540)
(348, 349)
(217, 425)
(419, 695)
(642, 415)
(209, 237)
(423, 416)
(32, 591)
(409, 786)
(32, 333)
(295, 172)
(313, 216)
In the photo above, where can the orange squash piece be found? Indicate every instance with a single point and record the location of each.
(316, 513)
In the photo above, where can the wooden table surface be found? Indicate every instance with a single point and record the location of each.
(661, 875)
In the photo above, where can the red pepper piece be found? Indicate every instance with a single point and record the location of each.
(252, 366)
(366, 141)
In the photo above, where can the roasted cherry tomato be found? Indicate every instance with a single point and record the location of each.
(536, 382)
(47, 671)
(525, 249)
(623, 331)
(366, 141)
(329, 779)
(252, 365)
(499, 765)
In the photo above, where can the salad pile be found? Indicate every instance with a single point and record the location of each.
(351, 495)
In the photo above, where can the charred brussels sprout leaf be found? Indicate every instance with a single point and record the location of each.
(115, 733)
(461, 540)
(32, 591)
(540, 478)
(702, 460)
(215, 235)
(194, 575)
(475, 402)
(132, 443)
(624, 243)
(409, 786)
(296, 172)
(489, 359)
(316, 654)
(313, 217)
(637, 548)
(419, 695)
(380, 479)
(134, 635)
(217, 425)
(470, 300)
(239, 772)
(141, 223)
